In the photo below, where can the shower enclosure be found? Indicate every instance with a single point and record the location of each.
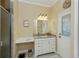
(5, 29)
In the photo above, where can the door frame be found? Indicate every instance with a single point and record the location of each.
(76, 26)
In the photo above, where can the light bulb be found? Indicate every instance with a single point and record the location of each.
(40, 17)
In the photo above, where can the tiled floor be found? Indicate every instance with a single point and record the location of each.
(51, 55)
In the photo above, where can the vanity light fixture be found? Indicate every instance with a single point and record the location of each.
(42, 17)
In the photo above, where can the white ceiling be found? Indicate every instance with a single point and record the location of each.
(46, 3)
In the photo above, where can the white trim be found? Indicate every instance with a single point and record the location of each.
(44, 26)
(39, 4)
(65, 12)
(75, 28)
(35, 26)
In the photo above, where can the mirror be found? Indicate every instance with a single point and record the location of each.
(41, 25)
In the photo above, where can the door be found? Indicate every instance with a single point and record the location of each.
(64, 33)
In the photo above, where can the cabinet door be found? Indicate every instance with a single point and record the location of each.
(40, 51)
(52, 45)
(45, 46)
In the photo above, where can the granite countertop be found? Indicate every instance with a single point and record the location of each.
(44, 36)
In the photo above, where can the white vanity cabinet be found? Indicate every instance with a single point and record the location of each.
(52, 45)
(44, 45)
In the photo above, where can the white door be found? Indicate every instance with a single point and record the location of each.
(64, 33)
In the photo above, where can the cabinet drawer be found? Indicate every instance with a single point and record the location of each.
(38, 42)
(39, 51)
(38, 48)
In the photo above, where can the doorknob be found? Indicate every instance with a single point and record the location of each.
(59, 36)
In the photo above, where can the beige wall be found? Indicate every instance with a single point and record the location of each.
(27, 12)
(53, 22)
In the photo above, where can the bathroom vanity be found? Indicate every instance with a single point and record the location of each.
(44, 45)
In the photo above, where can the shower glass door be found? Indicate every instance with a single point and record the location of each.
(5, 34)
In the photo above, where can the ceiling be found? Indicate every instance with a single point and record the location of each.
(46, 3)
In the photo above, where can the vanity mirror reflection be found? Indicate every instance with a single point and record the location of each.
(41, 24)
